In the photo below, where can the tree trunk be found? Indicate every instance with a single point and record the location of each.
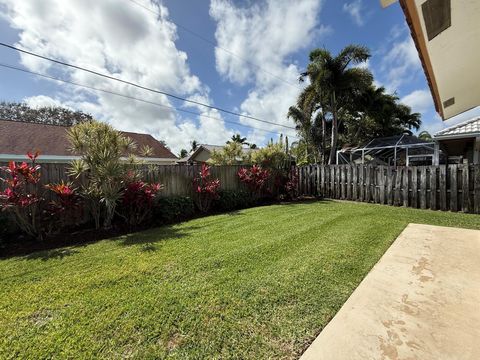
(333, 149)
(324, 136)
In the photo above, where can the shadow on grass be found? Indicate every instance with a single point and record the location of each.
(149, 238)
(51, 254)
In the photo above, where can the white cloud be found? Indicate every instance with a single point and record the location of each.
(419, 100)
(124, 40)
(43, 101)
(265, 34)
(355, 10)
(400, 64)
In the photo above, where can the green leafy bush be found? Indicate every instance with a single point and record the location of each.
(173, 208)
(229, 200)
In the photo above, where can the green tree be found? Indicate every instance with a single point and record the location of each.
(183, 153)
(51, 115)
(425, 136)
(339, 82)
(101, 148)
(377, 114)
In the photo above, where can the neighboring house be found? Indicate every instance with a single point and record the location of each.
(460, 143)
(204, 153)
(446, 34)
(17, 138)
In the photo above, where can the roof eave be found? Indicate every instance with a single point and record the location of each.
(413, 20)
(456, 136)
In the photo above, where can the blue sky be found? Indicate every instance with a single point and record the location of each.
(270, 40)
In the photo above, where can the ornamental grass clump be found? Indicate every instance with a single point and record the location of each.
(205, 188)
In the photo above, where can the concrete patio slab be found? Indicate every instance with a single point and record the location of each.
(420, 301)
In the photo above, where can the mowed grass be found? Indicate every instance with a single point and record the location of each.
(254, 284)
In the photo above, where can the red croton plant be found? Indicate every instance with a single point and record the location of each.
(206, 188)
(65, 203)
(138, 199)
(21, 193)
(255, 178)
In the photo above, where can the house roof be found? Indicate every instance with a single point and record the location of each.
(17, 138)
(210, 149)
(467, 128)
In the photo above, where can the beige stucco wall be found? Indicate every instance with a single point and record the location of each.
(455, 56)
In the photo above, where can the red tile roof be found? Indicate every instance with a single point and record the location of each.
(17, 138)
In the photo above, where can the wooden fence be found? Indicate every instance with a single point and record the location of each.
(452, 187)
(444, 187)
(177, 179)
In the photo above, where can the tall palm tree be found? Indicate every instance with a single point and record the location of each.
(336, 78)
(194, 145)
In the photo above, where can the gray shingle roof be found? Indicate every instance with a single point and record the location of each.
(469, 127)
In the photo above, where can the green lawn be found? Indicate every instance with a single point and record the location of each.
(259, 283)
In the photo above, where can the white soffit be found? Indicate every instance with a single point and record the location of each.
(455, 57)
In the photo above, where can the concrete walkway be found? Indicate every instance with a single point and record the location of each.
(420, 301)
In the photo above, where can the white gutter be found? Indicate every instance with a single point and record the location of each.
(456, 136)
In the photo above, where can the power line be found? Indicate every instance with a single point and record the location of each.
(231, 53)
(141, 86)
(137, 99)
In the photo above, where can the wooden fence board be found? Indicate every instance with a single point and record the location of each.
(465, 189)
(453, 188)
(433, 188)
(476, 189)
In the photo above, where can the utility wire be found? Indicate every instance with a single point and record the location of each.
(212, 43)
(141, 86)
(137, 99)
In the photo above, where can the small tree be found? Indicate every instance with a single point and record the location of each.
(206, 189)
(21, 194)
(183, 153)
(101, 148)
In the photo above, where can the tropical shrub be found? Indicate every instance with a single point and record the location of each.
(205, 188)
(101, 148)
(274, 156)
(138, 200)
(229, 200)
(291, 185)
(21, 194)
(61, 210)
(255, 178)
(173, 208)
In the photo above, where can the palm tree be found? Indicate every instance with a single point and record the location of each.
(237, 138)
(338, 81)
(309, 117)
(194, 145)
